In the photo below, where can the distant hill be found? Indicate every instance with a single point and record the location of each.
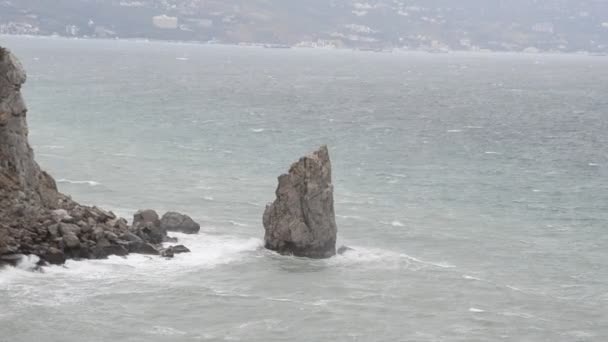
(503, 25)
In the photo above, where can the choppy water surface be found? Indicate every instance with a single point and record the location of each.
(474, 189)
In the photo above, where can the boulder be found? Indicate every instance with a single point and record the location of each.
(176, 222)
(141, 247)
(146, 225)
(179, 249)
(71, 241)
(301, 221)
(54, 256)
(102, 251)
(171, 251)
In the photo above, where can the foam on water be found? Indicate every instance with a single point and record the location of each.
(350, 217)
(238, 224)
(78, 182)
(383, 258)
(394, 223)
(207, 251)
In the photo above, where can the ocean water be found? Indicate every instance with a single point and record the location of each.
(473, 188)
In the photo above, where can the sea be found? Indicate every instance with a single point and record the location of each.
(471, 187)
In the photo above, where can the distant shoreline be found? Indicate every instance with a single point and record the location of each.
(388, 51)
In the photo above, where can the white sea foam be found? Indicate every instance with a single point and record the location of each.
(362, 255)
(394, 223)
(238, 224)
(208, 198)
(126, 155)
(440, 264)
(350, 217)
(52, 147)
(257, 130)
(454, 130)
(476, 310)
(182, 58)
(468, 277)
(491, 152)
(517, 314)
(207, 251)
(166, 331)
(514, 288)
(28, 262)
(78, 182)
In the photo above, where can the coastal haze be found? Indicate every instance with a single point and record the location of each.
(472, 188)
(436, 25)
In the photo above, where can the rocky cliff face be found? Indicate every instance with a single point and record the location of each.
(301, 220)
(20, 176)
(37, 219)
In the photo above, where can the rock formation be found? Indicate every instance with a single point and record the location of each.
(176, 222)
(37, 219)
(301, 221)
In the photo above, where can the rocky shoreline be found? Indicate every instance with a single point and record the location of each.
(36, 219)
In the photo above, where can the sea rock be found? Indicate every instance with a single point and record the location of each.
(344, 249)
(176, 222)
(141, 247)
(54, 256)
(301, 221)
(168, 253)
(104, 249)
(179, 249)
(146, 225)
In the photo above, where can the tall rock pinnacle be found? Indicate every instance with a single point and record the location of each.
(301, 220)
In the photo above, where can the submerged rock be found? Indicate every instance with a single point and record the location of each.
(344, 249)
(176, 222)
(301, 220)
(171, 251)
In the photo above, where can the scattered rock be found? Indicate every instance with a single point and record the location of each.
(179, 249)
(176, 222)
(344, 249)
(168, 253)
(301, 220)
